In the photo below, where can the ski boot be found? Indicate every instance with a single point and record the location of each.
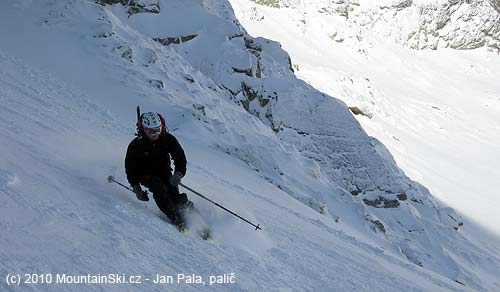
(178, 221)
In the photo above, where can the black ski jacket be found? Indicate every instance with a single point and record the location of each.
(153, 157)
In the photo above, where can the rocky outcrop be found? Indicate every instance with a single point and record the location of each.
(175, 40)
(252, 46)
(157, 83)
(357, 111)
(375, 225)
(495, 4)
(381, 202)
(111, 2)
(247, 71)
(135, 6)
(456, 24)
(270, 3)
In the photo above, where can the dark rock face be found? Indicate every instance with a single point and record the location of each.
(157, 83)
(253, 47)
(402, 197)
(111, 2)
(134, 6)
(140, 8)
(247, 71)
(381, 202)
(378, 225)
(404, 4)
(175, 40)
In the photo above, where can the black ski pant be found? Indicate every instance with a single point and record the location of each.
(166, 196)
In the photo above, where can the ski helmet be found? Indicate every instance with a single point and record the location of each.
(151, 123)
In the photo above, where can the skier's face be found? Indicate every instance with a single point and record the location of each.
(153, 134)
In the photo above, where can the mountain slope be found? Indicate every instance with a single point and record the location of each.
(63, 218)
(435, 110)
(103, 62)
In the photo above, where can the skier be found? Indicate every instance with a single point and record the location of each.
(148, 163)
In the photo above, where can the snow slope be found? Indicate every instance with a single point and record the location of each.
(68, 105)
(60, 216)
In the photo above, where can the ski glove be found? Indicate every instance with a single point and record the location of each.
(140, 194)
(175, 179)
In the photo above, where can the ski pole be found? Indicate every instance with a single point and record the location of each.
(220, 206)
(111, 179)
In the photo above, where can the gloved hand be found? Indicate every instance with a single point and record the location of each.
(140, 194)
(175, 179)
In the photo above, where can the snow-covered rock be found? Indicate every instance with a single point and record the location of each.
(458, 24)
(443, 24)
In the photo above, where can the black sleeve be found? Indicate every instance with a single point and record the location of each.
(131, 164)
(178, 155)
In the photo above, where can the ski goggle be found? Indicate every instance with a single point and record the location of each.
(152, 131)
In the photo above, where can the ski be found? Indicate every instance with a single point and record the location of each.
(182, 228)
(205, 235)
(205, 231)
(195, 220)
